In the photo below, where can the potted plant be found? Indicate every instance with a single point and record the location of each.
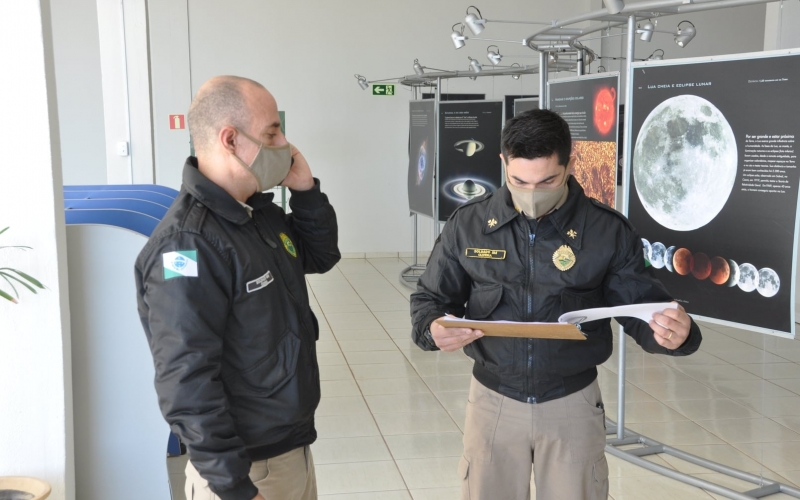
(11, 278)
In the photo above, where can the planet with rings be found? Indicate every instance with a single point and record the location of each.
(469, 146)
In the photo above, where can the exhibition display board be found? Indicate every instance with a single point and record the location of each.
(469, 152)
(714, 184)
(589, 105)
(523, 105)
(421, 156)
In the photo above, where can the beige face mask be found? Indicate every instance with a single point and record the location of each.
(536, 202)
(271, 164)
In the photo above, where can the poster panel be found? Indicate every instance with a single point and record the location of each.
(523, 105)
(589, 104)
(421, 156)
(714, 184)
(469, 152)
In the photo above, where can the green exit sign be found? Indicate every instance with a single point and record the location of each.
(383, 89)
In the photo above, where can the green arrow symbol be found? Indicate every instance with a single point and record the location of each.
(379, 90)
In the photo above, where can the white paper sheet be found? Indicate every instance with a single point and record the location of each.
(642, 311)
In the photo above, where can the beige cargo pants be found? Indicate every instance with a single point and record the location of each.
(286, 477)
(563, 439)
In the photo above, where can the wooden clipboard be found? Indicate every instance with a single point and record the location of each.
(562, 331)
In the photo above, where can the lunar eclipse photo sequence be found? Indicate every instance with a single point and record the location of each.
(718, 270)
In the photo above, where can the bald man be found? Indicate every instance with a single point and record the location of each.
(223, 301)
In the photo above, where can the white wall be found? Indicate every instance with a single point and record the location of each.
(780, 29)
(35, 370)
(76, 45)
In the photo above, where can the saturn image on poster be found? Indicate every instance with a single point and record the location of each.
(718, 270)
(685, 162)
(468, 146)
(464, 189)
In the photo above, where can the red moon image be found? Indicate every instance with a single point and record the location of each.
(720, 271)
(683, 261)
(701, 269)
(605, 109)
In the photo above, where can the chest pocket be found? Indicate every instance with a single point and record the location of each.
(575, 300)
(483, 300)
(270, 373)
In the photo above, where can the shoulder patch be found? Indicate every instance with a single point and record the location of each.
(180, 264)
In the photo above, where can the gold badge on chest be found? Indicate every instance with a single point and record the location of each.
(564, 258)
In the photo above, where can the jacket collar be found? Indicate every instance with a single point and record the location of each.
(569, 220)
(217, 199)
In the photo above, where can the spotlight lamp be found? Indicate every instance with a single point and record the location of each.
(655, 56)
(646, 31)
(458, 36)
(476, 23)
(474, 65)
(684, 35)
(418, 69)
(601, 69)
(614, 6)
(517, 65)
(362, 82)
(494, 55)
(552, 57)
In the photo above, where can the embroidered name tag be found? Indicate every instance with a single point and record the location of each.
(485, 253)
(259, 283)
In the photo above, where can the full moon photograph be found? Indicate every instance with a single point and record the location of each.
(648, 250)
(668, 258)
(748, 277)
(658, 253)
(685, 163)
(768, 282)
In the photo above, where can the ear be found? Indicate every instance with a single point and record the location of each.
(227, 137)
(571, 163)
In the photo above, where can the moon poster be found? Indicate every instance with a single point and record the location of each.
(714, 184)
(469, 152)
(589, 106)
(421, 157)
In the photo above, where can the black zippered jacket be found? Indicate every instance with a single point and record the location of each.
(233, 340)
(522, 283)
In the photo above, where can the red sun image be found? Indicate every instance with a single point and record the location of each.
(605, 109)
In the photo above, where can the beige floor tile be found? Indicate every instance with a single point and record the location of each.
(335, 372)
(339, 388)
(372, 495)
(676, 433)
(345, 335)
(393, 316)
(733, 484)
(443, 444)
(774, 407)
(717, 372)
(448, 383)
(792, 423)
(711, 409)
(791, 355)
(700, 358)
(456, 400)
(618, 467)
(655, 375)
(681, 391)
(792, 477)
(760, 430)
(751, 355)
(367, 345)
(775, 456)
(330, 358)
(410, 385)
(399, 333)
(342, 406)
(358, 477)
(430, 472)
(326, 336)
(392, 424)
(338, 299)
(773, 371)
(736, 389)
(350, 449)
(609, 390)
(342, 426)
(403, 403)
(348, 308)
(392, 370)
(406, 344)
(653, 488)
(397, 305)
(327, 346)
(645, 411)
(721, 453)
(460, 417)
(453, 493)
(459, 365)
(371, 358)
(791, 384)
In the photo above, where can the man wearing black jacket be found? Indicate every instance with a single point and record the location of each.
(531, 251)
(223, 301)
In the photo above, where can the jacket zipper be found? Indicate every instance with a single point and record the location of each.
(529, 375)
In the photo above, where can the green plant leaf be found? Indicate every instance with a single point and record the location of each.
(34, 281)
(4, 230)
(11, 285)
(7, 276)
(7, 297)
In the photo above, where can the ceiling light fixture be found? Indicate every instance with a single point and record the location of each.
(475, 23)
(418, 69)
(474, 65)
(362, 82)
(684, 35)
(494, 55)
(458, 36)
(614, 6)
(656, 57)
(646, 31)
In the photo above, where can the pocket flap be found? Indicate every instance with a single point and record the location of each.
(483, 300)
(272, 372)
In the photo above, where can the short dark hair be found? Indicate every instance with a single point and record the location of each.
(537, 133)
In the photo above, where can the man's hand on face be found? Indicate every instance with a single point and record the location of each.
(299, 177)
(453, 339)
(671, 327)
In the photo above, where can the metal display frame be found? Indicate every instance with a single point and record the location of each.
(526, 99)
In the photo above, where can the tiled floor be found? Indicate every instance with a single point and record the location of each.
(391, 418)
